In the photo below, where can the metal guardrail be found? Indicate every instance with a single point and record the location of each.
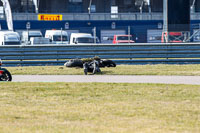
(187, 53)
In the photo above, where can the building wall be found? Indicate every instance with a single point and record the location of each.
(102, 6)
(156, 5)
(22, 6)
(58, 6)
(44, 6)
(197, 6)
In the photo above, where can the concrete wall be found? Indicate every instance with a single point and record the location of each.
(95, 16)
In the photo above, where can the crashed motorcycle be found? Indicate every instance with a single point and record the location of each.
(91, 67)
(4, 74)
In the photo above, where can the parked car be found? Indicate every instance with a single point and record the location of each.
(122, 39)
(57, 36)
(26, 35)
(83, 38)
(9, 38)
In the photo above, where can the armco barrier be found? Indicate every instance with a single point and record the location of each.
(178, 53)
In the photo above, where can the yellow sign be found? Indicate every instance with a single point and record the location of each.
(50, 17)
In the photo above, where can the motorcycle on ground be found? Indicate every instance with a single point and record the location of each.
(4, 74)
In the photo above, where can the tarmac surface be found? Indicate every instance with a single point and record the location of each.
(195, 80)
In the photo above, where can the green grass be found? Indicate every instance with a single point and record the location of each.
(98, 108)
(119, 70)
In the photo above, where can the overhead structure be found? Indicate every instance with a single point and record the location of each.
(165, 20)
(176, 17)
(35, 2)
(179, 15)
(8, 13)
(89, 8)
(193, 6)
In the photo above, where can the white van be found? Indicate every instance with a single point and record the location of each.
(39, 41)
(26, 35)
(82, 38)
(9, 38)
(57, 36)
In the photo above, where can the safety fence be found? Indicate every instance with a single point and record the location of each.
(177, 53)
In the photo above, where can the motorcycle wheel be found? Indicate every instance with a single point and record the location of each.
(6, 76)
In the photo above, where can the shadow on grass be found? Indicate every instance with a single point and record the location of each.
(104, 72)
(100, 73)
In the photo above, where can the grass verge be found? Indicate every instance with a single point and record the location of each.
(98, 108)
(192, 70)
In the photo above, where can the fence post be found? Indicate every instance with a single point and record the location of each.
(94, 32)
(129, 32)
(61, 36)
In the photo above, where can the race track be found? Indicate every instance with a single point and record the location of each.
(195, 80)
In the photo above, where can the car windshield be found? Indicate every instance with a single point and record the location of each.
(124, 38)
(35, 33)
(85, 40)
(58, 38)
(11, 38)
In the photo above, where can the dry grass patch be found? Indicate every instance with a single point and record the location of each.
(119, 70)
(99, 108)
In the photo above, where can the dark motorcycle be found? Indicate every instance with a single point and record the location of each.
(4, 74)
(91, 67)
